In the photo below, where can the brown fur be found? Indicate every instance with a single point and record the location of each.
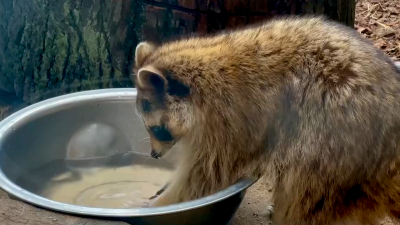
(305, 100)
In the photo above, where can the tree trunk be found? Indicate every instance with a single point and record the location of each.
(339, 10)
(53, 47)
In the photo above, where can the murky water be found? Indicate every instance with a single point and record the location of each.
(99, 169)
(126, 181)
(125, 187)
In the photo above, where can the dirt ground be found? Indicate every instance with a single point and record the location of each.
(254, 209)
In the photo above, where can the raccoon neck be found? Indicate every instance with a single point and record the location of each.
(231, 143)
(222, 153)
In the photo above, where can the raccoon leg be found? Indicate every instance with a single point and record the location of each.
(270, 211)
(188, 183)
(294, 212)
(392, 190)
(395, 214)
(304, 200)
(177, 190)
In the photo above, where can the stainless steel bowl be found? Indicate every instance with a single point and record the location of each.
(41, 141)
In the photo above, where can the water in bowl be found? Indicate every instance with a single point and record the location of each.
(124, 187)
(127, 185)
(99, 169)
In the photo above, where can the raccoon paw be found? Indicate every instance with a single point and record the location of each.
(269, 211)
(161, 200)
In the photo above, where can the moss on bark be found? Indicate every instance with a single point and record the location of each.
(56, 47)
(53, 47)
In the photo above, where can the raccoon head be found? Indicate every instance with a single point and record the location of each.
(162, 102)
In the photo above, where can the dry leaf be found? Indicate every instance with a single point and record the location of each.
(385, 31)
(379, 21)
(380, 43)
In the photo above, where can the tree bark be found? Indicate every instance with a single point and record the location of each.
(54, 47)
(339, 10)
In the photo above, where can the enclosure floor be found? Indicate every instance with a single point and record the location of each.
(254, 209)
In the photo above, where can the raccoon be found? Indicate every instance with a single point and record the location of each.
(304, 100)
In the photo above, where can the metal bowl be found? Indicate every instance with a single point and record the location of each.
(44, 140)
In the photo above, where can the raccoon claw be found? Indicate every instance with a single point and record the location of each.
(269, 211)
(159, 192)
(154, 196)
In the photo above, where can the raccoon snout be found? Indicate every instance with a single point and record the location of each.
(155, 154)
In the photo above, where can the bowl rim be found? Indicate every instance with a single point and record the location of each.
(122, 94)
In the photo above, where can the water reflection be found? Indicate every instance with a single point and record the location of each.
(96, 140)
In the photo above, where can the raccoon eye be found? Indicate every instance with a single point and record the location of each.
(161, 133)
(146, 106)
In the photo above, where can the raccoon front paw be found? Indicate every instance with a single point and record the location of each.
(154, 196)
(161, 200)
(269, 211)
(270, 208)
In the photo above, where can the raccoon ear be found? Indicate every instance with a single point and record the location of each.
(143, 50)
(151, 79)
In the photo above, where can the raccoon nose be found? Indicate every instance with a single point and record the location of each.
(155, 154)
